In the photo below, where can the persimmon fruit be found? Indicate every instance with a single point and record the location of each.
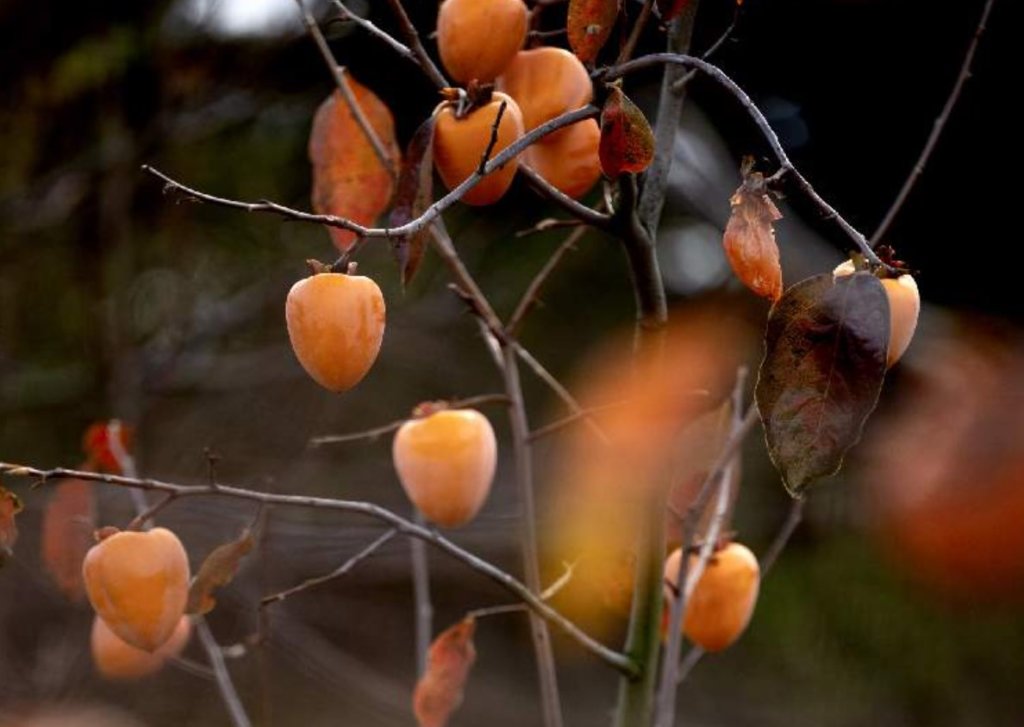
(446, 462)
(336, 325)
(138, 584)
(904, 308)
(546, 82)
(569, 161)
(460, 144)
(723, 600)
(116, 659)
(478, 39)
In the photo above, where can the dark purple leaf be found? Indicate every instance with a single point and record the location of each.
(414, 196)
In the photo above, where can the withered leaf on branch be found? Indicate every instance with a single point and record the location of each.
(413, 196)
(348, 178)
(749, 238)
(627, 142)
(823, 368)
(439, 691)
(69, 520)
(10, 505)
(589, 24)
(217, 570)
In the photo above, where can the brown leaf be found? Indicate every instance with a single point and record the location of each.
(10, 505)
(670, 9)
(439, 691)
(217, 570)
(590, 23)
(413, 197)
(823, 367)
(627, 142)
(749, 238)
(348, 179)
(68, 524)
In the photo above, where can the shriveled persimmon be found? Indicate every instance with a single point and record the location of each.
(446, 462)
(460, 144)
(138, 584)
(569, 161)
(546, 82)
(477, 40)
(118, 660)
(336, 325)
(904, 308)
(723, 600)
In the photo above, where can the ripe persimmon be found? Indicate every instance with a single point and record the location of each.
(116, 659)
(569, 161)
(546, 82)
(904, 308)
(460, 144)
(722, 602)
(446, 462)
(138, 584)
(478, 39)
(336, 325)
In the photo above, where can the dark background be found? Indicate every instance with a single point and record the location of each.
(117, 301)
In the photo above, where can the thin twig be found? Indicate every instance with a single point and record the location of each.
(486, 156)
(377, 432)
(638, 28)
(338, 572)
(531, 297)
(413, 226)
(423, 616)
(712, 49)
(338, 74)
(413, 39)
(403, 525)
(546, 225)
(149, 513)
(937, 129)
(399, 48)
(576, 209)
(220, 672)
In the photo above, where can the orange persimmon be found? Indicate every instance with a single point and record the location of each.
(546, 82)
(116, 659)
(723, 600)
(446, 464)
(460, 144)
(478, 39)
(336, 325)
(138, 584)
(904, 308)
(568, 160)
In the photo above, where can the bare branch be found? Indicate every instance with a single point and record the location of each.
(937, 129)
(548, 223)
(576, 209)
(413, 39)
(531, 296)
(619, 661)
(626, 52)
(399, 48)
(494, 138)
(220, 672)
(712, 49)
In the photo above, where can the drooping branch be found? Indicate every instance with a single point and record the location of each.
(584, 214)
(355, 507)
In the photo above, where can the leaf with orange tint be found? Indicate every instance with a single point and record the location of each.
(627, 142)
(10, 505)
(348, 178)
(68, 524)
(439, 691)
(749, 238)
(589, 24)
(414, 195)
(217, 570)
(107, 445)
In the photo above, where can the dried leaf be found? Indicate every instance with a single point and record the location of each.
(348, 178)
(590, 23)
(107, 445)
(749, 238)
(670, 9)
(627, 142)
(10, 505)
(824, 363)
(413, 197)
(217, 570)
(439, 691)
(68, 524)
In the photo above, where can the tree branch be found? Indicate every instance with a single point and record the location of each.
(220, 672)
(576, 209)
(399, 48)
(531, 297)
(413, 38)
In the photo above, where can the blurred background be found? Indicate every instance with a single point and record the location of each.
(898, 601)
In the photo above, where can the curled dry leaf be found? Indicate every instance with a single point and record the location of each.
(217, 570)
(413, 196)
(823, 367)
(749, 238)
(439, 691)
(627, 142)
(348, 179)
(68, 524)
(589, 24)
(10, 505)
